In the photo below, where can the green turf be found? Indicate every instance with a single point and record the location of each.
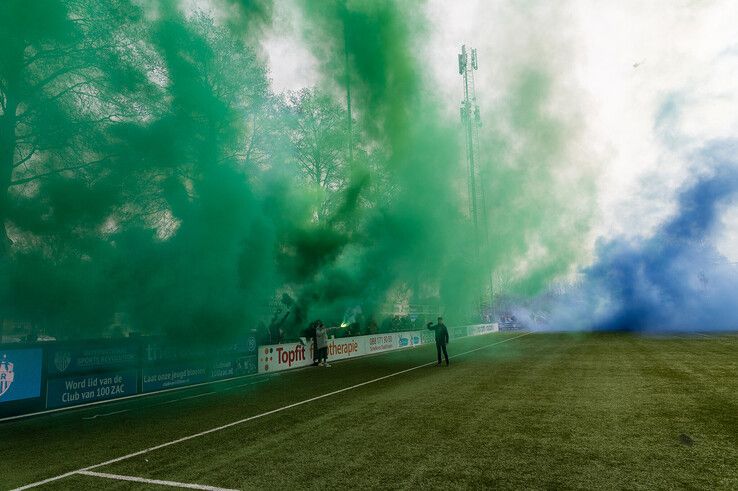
(541, 411)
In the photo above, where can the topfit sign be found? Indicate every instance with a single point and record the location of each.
(277, 357)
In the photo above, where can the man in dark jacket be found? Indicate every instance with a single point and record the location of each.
(441, 339)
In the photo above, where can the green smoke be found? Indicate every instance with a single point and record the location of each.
(150, 171)
(417, 238)
(540, 201)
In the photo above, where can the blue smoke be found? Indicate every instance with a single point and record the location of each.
(675, 280)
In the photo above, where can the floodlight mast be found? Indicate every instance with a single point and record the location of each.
(348, 89)
(471, 119)
(467, 111)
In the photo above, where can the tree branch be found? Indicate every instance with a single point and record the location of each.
(25, 159)
(26, 180)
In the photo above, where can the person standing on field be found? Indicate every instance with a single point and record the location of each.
(310, 333)
(441, 339)
(321, 342)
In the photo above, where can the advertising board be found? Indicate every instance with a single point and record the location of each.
(277, 357)
(160, 378)
(409, 339)
(480, 329)
(93, 357)
(428, 337)
(222, 369)
(458, 332)
(342, 348)
(20, 374)
(70, 391)
(242, 365)
(378, 343)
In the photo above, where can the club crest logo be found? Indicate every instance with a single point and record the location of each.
(62, 360)
(6, 375)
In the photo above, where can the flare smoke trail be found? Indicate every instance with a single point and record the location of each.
(675, 280)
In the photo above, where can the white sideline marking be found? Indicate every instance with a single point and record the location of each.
(251, 418)
(244, 385)
(173, 484)
(132, 396)
(181, 399)
(107, 414)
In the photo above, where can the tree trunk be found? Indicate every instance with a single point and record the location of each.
(7, 153)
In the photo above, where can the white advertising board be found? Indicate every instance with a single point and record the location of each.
(379, 343)
(480, 329)
(409, 339)
(342, 348)
(277, 357)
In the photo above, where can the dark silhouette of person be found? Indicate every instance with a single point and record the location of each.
(276, 333)
(441, 339)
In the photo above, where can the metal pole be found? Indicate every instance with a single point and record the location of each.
(348, 89)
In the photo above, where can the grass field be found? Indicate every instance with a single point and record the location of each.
(537, 411)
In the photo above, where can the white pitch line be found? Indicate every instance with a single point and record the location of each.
(108, 414)
(244, 385)
(251, 418)
(173, 484)
(181, 399)
(132, 396)
(197, 395)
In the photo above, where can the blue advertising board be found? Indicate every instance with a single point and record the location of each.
(161, 351)
(242, 365)
(246, 365)
(160, 378)
(20, 374)
(223, 369)
(246, 345)
(70, 391)
(92, 357)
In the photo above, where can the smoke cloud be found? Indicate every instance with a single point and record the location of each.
(674, 280)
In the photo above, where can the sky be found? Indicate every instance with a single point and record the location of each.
(645, 85)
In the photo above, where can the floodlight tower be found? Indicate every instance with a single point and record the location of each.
(472, 121)
(348, 90)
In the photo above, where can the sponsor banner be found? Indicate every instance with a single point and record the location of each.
(379, 343)
(480, 329)
(428, 337)
(458, 332)
(242, 365)
(20, 374)
(277, 357)
(411, 338)
(161, 351)
(223, 369)
(91, 358)
(246, 345)
(246, 365)
(160, 378)
(341, 348)
(69, 391)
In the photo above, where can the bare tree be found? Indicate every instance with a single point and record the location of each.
(318, 132)
(68, 73)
